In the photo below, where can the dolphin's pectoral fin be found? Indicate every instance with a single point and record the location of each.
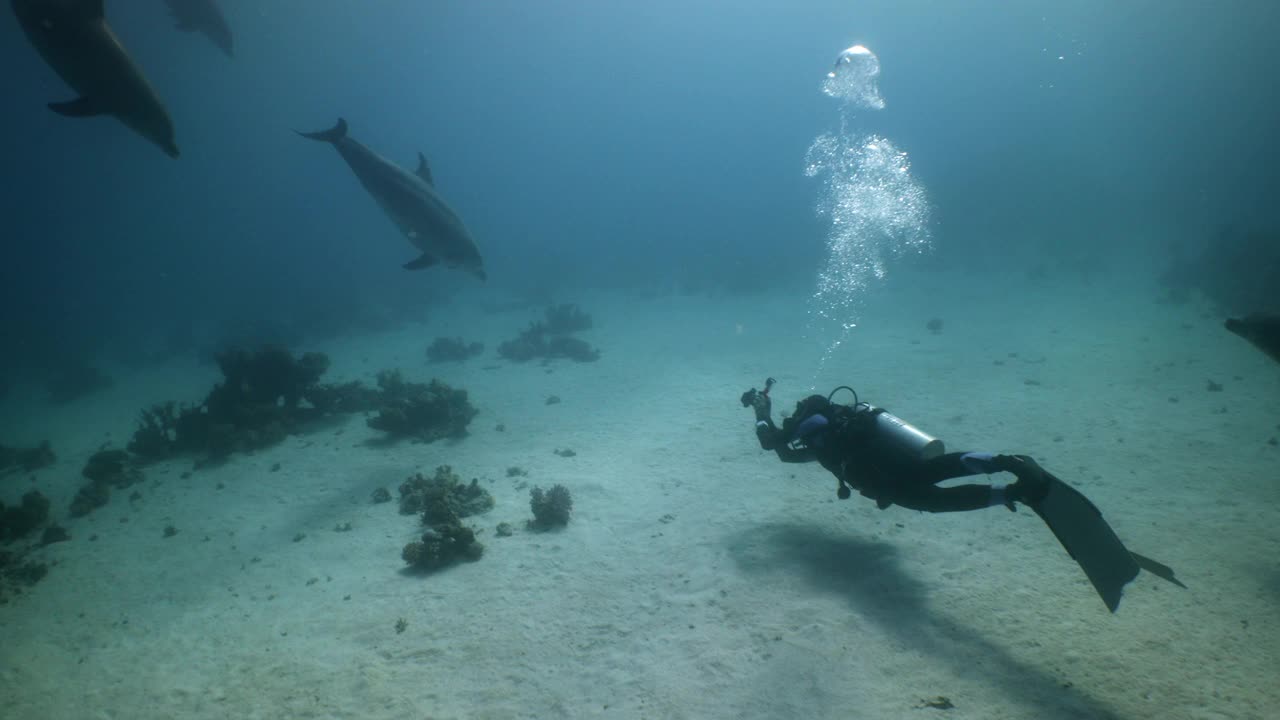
(425, 261)
(424, 171)
(80, 107)
(333, 135)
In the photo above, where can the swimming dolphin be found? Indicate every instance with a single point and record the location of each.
(1260, 329)
(74, 39)
(412, 203)
(202, 16)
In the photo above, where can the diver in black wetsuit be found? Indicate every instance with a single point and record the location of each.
(893, 463)
(887, 460)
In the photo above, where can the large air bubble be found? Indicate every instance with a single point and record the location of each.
(853, 79)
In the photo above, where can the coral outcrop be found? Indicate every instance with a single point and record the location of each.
(31, 513)
(106, 469)
(443, 500)
(268, 394)
(17, 523)
(17, 574)
(16, 459)
(452, 350)
(428, 412)
(257, 404)
(552, 338)
(551, 508)
(443, 495)
(441, 546)
(342, 398)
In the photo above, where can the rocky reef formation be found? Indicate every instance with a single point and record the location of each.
(17, 573)
(565, 319)
(552, 338)
(105, 470)
(452, 350)
(428, 412)
(443, 500)
(551, 508)
(256, 405)
(442, 496)
(16, 459)
(18, 522)
(441, 546)
(268, 394)
(344, 398)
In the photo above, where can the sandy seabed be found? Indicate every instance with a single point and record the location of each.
(699, 577)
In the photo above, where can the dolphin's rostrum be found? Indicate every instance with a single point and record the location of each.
(74, 39)
(412, 203)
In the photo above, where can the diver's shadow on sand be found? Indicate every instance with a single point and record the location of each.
(867, 573)
(870, 576)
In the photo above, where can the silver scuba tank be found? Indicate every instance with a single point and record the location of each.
(900, 436)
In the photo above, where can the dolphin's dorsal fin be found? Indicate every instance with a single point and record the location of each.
(424, 171)
(80, 107)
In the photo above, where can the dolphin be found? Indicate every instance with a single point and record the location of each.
(74, 39)
(202, 16)
(412, 203)
(1260, 329)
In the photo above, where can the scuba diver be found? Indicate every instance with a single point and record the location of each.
(887, 460)
(894, 463)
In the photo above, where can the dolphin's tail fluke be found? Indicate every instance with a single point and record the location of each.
(332, 135)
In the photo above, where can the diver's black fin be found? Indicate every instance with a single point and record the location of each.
(1156, 568)
(80, 107)
(425, 261)
(1089, 540)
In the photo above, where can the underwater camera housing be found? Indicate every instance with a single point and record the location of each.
(749, 397)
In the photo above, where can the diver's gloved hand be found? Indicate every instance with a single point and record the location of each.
(763, 406)
(758, 400)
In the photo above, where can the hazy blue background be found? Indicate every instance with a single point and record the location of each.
(655, 143)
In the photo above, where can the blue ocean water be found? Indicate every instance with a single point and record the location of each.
(1019, 171)
(641, 145)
